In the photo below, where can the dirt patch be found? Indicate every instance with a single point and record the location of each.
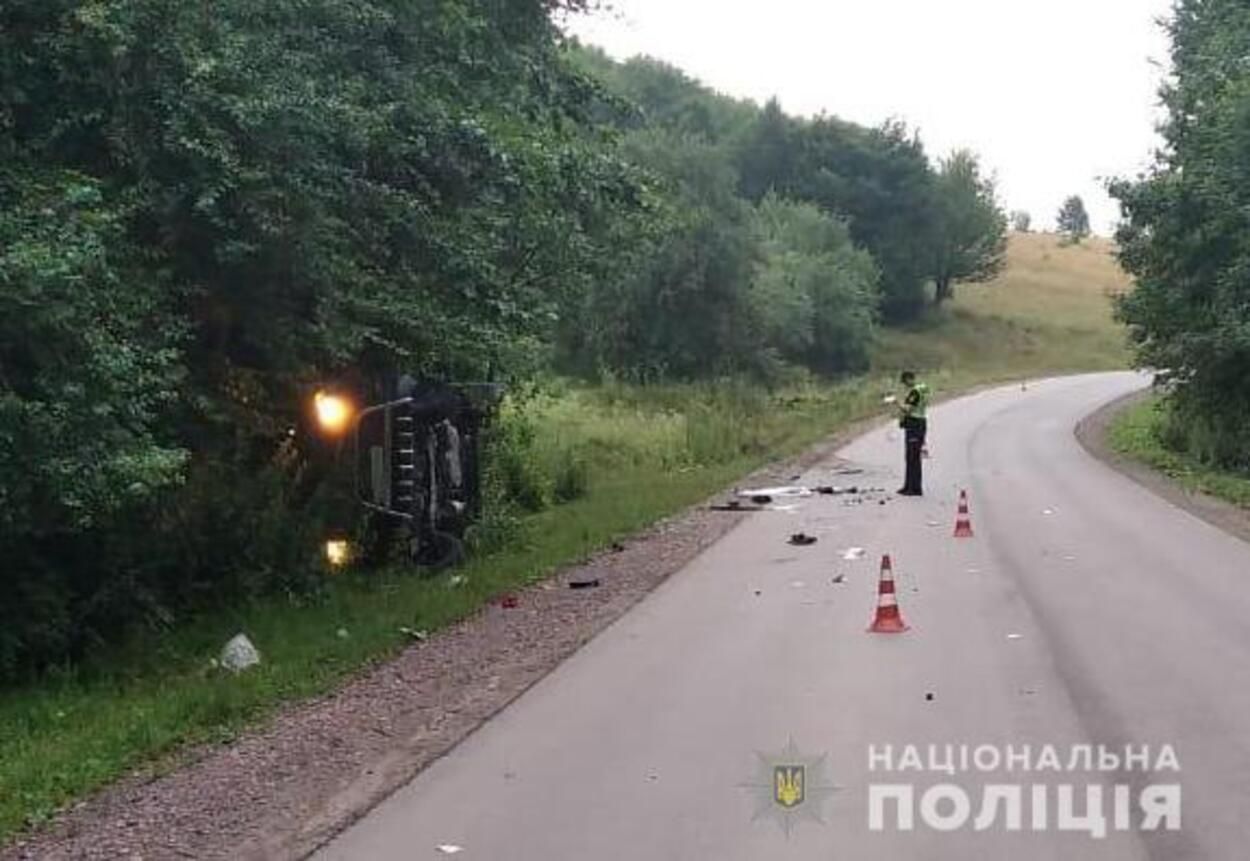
(286, 787)
(1091, 432)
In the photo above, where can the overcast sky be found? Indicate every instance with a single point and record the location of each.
(1052, 95)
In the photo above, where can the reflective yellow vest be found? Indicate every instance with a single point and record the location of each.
(916, 404)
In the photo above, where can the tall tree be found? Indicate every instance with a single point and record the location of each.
(1184, 235)
(1073, 220)
(681, 309)
(972, 229)
(1021, 221)
(769, 157)
(881, 181)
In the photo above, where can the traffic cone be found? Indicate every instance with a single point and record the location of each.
(888, 619)
(963, 521)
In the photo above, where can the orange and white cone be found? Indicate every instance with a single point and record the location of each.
(888, 619)
(963, 521)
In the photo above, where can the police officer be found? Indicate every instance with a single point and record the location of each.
(913, 419)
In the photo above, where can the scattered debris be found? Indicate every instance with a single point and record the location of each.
(1048, 511)
(761, 499)
(791, 490)
(449, 848)
(239, 654)
(848, 470)
(419, 635)
(827, 490)
(890, 399)
(584, 584)
(618, 547)
(1015, 636)
(785, 509)
(735, 505)
(839, 580)
(853, 553)
(797, 584)
(758, 593)
(932, 523)
(342, 634)
(457, 580)
(929, 697)
(509, 602)
(882, 502)
(802, 539)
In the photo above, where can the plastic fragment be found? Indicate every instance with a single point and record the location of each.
(239, 654)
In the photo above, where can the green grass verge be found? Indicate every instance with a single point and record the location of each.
(1136, 434)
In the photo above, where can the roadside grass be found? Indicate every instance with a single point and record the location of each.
(1136, 434)
(616, 458)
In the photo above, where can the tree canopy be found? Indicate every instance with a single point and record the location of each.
(972, 229)
(1185, 233)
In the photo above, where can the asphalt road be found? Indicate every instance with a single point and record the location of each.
(1085, 611)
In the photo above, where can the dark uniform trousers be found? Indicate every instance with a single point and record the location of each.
(914, 431)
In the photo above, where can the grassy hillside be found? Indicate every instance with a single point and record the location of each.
(1049, 311)
(621, 456)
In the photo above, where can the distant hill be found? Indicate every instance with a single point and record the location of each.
(1049, 311)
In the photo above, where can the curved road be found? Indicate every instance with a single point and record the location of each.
(1086, 611)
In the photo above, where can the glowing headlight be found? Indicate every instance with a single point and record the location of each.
(338, 552)
(334, 413)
